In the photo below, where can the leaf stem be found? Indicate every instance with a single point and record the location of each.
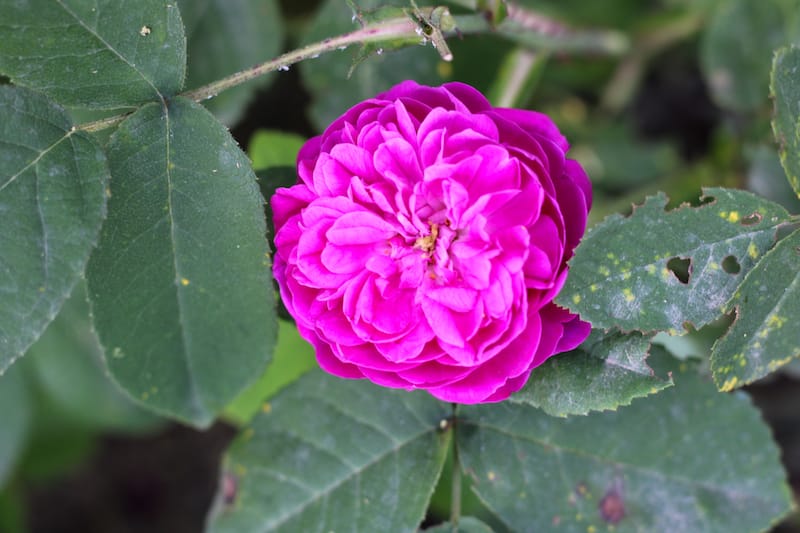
(455, 495)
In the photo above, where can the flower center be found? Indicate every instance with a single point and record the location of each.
(427, 243)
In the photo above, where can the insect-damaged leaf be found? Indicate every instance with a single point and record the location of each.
(765, 335)
(180, 283)
(657, 269)
(334, 455)
(606, 371)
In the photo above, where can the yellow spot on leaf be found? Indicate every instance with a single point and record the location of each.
(629, 297)
(752, 251)
(591, 529)
(604, 271)
(651, 269)
(733, 217)
(713, 266)
(576, 299)
(184, 282)
(491, 475)
(777, 363)
(729, 384)
(266, 408)
(593, 287)
(775, 321)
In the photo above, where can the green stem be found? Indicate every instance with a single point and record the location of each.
(526, 27)
(390, 30)
(455, 495)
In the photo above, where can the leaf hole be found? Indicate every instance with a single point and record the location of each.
(681, 268)
(731, 265)
(752, 219)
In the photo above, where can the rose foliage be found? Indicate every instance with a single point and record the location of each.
(426, 238)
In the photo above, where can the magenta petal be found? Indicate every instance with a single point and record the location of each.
(426, 238)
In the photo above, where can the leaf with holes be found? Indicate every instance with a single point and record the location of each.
(785, 88)
(334, 455)
(180, 283)
(637, 469)
(226, 36)
(764, 336)
(658, 270)
(605, 372)
(101, 54)
(52, 202)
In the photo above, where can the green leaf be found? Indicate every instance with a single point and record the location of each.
(334, 455)
(785, 89)
(738, 45)
(52, 202)
(180, 283)
(16, 419)
(67, 366)
(333, 92)
(466, 524)
(101, 54)
(631, 273)
(641, 468)
(764, 336)
(226, 36)
(603, 373)
(766, 176)
(270, 148)
(294, 356)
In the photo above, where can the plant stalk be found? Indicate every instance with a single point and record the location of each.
(455, 494)
(523, 26)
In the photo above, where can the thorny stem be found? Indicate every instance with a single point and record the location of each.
(524, 26)
(455, 495)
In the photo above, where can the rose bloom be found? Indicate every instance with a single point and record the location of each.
(425, 240)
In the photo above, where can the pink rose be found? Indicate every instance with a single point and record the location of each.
(426, 239)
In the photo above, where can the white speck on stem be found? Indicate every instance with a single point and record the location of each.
(283, 68)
